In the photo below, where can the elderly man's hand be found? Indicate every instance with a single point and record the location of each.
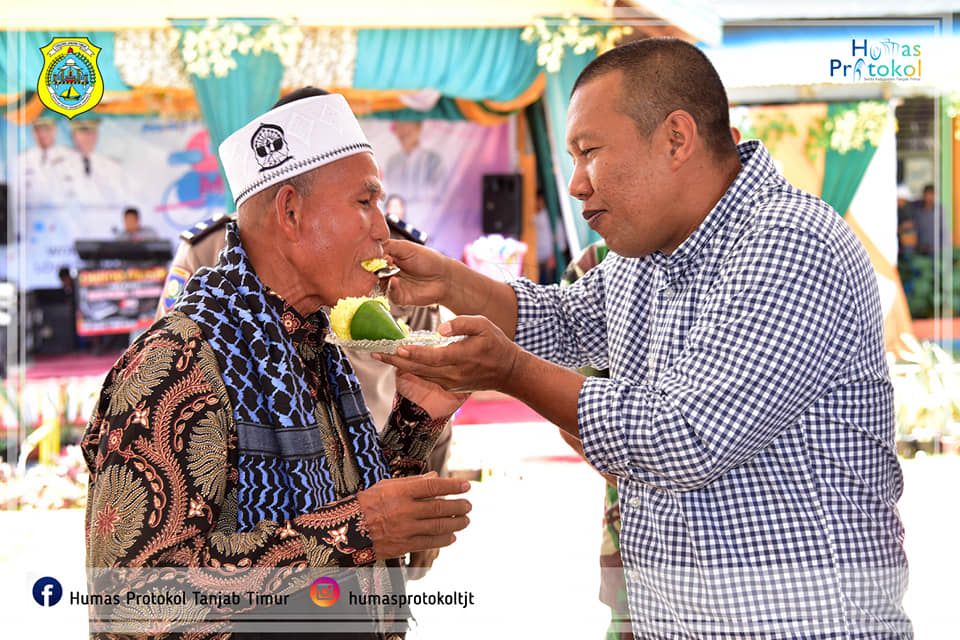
(423, 278)
(404, 515)
(430, 397)
(484, 360)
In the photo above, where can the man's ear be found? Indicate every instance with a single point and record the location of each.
(681, 130)
(288, 211)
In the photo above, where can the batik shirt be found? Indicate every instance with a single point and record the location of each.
(162, 451)
(748, 415)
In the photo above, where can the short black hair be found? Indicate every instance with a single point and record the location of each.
(662, 75)
(300, 94)
(131, 211)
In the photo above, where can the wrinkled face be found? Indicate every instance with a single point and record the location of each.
(45, 134)
(623, 179)
(342, 226)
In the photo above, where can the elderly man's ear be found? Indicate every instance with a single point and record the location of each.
(287, 211)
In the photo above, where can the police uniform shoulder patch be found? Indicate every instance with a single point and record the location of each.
(174, 286)
(202, 229)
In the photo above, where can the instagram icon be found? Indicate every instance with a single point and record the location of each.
(324, 592)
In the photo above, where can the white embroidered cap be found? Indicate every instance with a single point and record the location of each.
(290, 140)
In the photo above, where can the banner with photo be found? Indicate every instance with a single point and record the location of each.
(78, 178)
(433, 174)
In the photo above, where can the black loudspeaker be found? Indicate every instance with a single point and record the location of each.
(502, 203)
(51, 322)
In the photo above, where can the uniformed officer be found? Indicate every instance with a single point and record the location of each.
(99, 180)
(46, 166)
(200, 246)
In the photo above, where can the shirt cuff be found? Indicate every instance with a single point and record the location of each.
(593, 423)
(531, 312)
(410, 437)
(339, 526)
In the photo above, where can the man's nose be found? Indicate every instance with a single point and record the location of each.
(579, 186)
(379, 229)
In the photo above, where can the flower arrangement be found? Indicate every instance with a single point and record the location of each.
(554, 40)
(850, 130)
(61, 485)
(211, 49)
(926, 394)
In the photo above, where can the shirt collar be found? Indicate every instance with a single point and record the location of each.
(756, 167)
(298, 327)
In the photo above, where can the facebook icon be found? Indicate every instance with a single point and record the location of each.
(47, 591)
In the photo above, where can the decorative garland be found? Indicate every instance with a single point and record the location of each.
(210, 49)
(322, 57)
(326, 58)
(849, 130)
(554, 40)
(149, 57)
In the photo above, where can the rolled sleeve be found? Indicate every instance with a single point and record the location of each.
(563, 325)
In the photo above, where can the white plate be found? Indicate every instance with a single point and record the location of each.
(416, 338)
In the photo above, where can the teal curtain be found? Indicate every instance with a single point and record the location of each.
(843, 172)
(557, 100)
(476, 64)
(21, 60)
(230, 102)
(537, 125)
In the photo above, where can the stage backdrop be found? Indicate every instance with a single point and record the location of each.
(437, 167)
(167, 170)
(163, 168)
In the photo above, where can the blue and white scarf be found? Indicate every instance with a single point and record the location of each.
(283, 468)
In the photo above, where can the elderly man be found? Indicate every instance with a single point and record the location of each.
(230, 433)
(749, 410)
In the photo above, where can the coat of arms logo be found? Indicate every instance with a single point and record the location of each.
(70, 81)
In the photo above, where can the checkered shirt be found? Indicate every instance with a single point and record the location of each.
(748, 415)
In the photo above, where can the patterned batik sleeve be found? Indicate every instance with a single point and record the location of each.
(410, 437)
(162, 452)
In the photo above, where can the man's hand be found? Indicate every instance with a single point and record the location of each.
(408, 514)
(423, 278)
(429, 396)
(484, 360)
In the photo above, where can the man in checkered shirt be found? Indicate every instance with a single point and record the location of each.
(749, 411)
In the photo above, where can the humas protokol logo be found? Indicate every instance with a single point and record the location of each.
(47, 591)
(324, 592)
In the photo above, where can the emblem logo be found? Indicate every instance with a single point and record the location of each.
(70, 81)
(269, 146)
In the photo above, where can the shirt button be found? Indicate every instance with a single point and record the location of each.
(668, 293)
(634, 502)
(634, 575)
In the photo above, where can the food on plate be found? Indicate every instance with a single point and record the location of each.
(365, 319)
